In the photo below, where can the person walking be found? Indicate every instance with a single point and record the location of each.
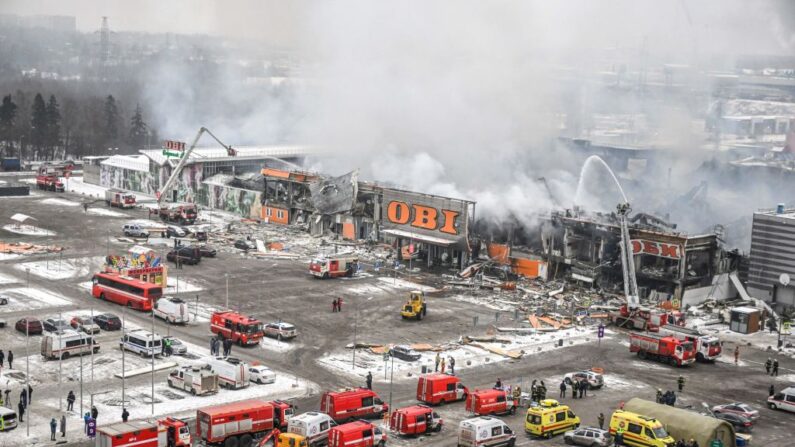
(601, 420)
(681, 382)
(94, 412)
(574, 389)
(23, 398)
(736, 355)
(70, 401)
(436, 363)
(562, 389)
(659, 396)
(2, 357)
(768, 364)
(124, 414)
(581, 388)
(8, 398)
(30, 394)
(771, 391)
(21, 411)
(775, 368)
(86, 418)
(369, 380)
(10, 359)
(339, 304)
(442, 370)
(334, 305)
(53, 428)
(63, 425)
(452, 365)
(584, 386)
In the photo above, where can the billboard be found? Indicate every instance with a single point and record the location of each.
(661, 249)
(426, 215)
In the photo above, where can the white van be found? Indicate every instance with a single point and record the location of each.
(232, 372)
(8, 419)
(67, 343)
(783, 400)
(142, 342)
(173, 310)
(313, 426)
(485, 430)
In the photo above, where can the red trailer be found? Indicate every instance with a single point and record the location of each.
(351, 404)
(132, 433)
(436, 388)
(356, 434)
(662, 348)
(241, 421)
(415, 420)
(491, 401)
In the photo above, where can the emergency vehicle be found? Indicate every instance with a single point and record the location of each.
(173, 310)
(356, 434)
(639, 430)
(181, 213)
(485, 431)
(707, 346)
(352, 404)
(242, 421)
(239, 328)
(644, 318)
(312, 427)
(119, 198)
(232, 372)
(436, 388)
(415, 420)
(550, 418)
(490, 401)
(334, 266)
(66, 343)
(177, 432)
(663, 349)
(132, 433)
(783, 400)
(195, 380)
(8, 419)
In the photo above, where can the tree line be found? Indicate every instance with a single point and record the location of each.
(42, 129)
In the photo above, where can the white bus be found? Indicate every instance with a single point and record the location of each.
(66, 343)
(142, 342)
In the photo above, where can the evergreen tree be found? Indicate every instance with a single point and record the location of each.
(53, 125)
(8, 116)
(38, 124)
(111, 129)
(138, 129)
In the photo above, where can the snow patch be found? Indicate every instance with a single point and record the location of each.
(7, 256)
(28, 230)
(5, 279)
(28, 298)
(180, 285)
(105, 212)
(403, 284)
(62, 269)
(61, 202)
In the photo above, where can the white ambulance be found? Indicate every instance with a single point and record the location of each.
(173, 310)
(485, 430)
(66, 343)
(783, 400)
(232, 372)
(313, 426)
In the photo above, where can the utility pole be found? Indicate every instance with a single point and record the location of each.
(60, 363)
(153, 362)
(92, 349)
(227, 289)
(27, 363)
(123, 369)
(391, 376)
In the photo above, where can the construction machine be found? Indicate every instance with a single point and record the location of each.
(415, 307)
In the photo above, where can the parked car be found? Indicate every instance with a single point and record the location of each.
(175, 231)
(594, 380)
(201, 235)
(132, 230)
(740, 423)
(85, 324)
(186, 255)
(55, 325)
(280, 330)
(108, 322)
(29, 325)
(588, 436)
(742, 409)
(404, 352)
(261, 374)
(244, 244)
(207, 252)
(177, 347)
(4, 299)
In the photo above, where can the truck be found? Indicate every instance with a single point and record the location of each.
(708, 347)
(415, 307)
(232, 372)
(644, 318)
(180, 213)
(438, 388)
(119, 198)
(490, 401)
(49, 182)
(241, 329)
(10, 164)
(177, 432)
(334, 266)
(661, 348)
(168, 432)
(356, 434)
(415, 420)
(196, 380)
(240, 423)
(352, 404)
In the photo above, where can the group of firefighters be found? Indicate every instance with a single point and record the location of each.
(440, 364)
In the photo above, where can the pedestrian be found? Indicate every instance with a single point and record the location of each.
(619, 440)
(442, 368)
(542, 391)
(23, 397)
(681, 382)
(771, 391)
(581, 388)
(339, 304)
(693, 443)
(452, 365)
(601, 420)
(574, 389)
(585, 385)
(167, 343)
(681, 443)
(63, 425)
(94, 412)
(333, 305)
(517, 395)
(21, 411)
(212, 346)
(659, 396)
(768, 364)
(436, 363)
(736, 354)
(229, 347)
(672, 399)
(498, 385)
(562, 389)
(369, 380)
(124, 414)
(8, 398)
(30, 394)
(2, 357)
(10, 359)
(86, 418)
(70, 401)
(775, 368)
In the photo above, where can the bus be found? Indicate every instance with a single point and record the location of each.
(124, 290)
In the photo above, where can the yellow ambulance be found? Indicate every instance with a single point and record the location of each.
(550, 418)
(639, 430)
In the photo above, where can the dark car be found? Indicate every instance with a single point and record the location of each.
(185, 255)
(108, 322)
(29, 325)
(200, 235)
(55, 325)
(244, 244)
(404, 353)
(175, 231)
(740, 423)
(4, 299)
(207, 252)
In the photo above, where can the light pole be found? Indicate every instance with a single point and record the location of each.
(355, 331)
(27, 361)
(123, 368)
(391, 376)
(227, 289)
(92, 349)
(60, 363)
(153, 362)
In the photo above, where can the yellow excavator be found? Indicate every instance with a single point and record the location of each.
(415, 307)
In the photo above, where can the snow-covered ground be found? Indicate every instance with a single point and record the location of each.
(56, 268)
(28, 230)
(7, 256)
(180, 285)
(76, 185)
(105, 212)
(763, 340)
(6, 279)
(404, 284)
(61, 202)
(30, 298)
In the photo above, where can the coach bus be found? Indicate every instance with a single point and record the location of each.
(124, 290)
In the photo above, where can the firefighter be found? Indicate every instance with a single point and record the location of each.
(736, 354)
(542, 392)
(681, 383)
(775, 368)
(498, 385)
(517, 394)
(659, 396)
(442, 366)
(768, 364)
(452, 365)
(436, 363)
(601, 420)
(574, 388)
(339, 304)
(369, 380)
(562, 389)
(124, 414)
(21, 411)
(94, 413)
(70, 401)
(771, 391)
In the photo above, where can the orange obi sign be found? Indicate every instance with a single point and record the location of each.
(661, 249)
(421, 216)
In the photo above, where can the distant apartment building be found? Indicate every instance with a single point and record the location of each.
(771, 271)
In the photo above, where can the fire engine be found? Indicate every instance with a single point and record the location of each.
(169, 432)
(334, 266)
(356, 434)
(644, 318)
(490, 401)
(177, 432)
(440, 388)
(352, 404)
(119, 198)
(48, 176)
(181, 213)
(240, 423)
(663, 349)
(707, 346)
(241, 329)
(415, 420)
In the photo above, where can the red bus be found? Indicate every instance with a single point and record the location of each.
(130, 292)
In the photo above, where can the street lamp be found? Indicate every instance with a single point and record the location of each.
(226, 275)
(355, 331)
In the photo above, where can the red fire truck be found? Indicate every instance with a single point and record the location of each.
(241, 329)
(334, 266)
(181, 213)
(415, 420)
(356, 434)
(645, 319)
(132, 433)
(438, 388)
(708, 347)
(352, 404)
(240, 423)
(490, 401)
(663, 349)
(48, 176)
(119, 198)
(177, 432)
